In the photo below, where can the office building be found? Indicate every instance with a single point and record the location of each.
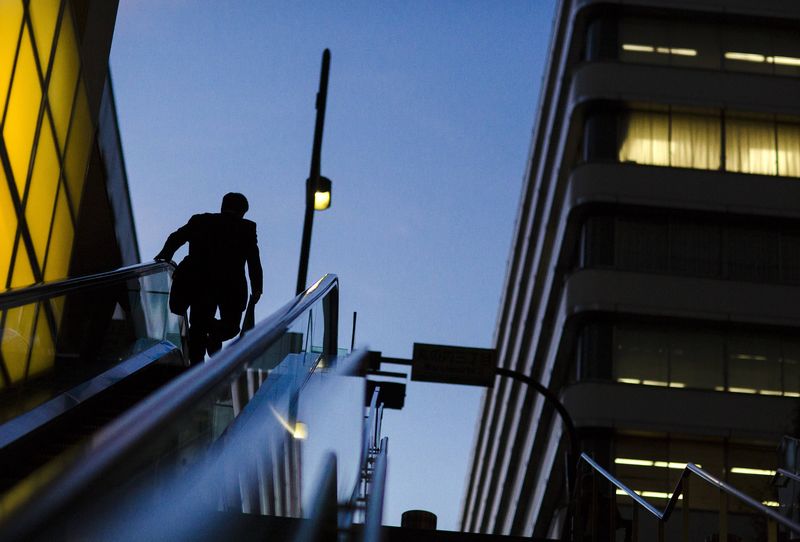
(654, 271)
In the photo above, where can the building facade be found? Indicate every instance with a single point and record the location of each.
(654, 275)
(64, 204)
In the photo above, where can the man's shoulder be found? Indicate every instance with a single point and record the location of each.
(202, 217)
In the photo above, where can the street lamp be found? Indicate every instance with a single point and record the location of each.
(318, 188)
(322, 195)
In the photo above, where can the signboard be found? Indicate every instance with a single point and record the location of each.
(453, 365)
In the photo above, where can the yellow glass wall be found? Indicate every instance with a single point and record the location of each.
(46, 137)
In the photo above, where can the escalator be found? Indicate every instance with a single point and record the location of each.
(268, 439)
(75, 355)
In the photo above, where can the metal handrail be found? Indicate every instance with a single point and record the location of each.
(374, 516)
(25, 295)
(788, 474)
(123, 439)
(691, 468)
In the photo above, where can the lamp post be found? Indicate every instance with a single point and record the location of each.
(318, 188)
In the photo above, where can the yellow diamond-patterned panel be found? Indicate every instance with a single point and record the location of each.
(10, 25)
(44, 15)
(59, 250)
(43, 352)
(17, 339)
(8, 229)
(23, 112)
(81, 134)
(63, 78)
(41, 196)
(22, 275)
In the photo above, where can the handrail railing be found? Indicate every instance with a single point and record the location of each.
(123, 439)
(787, 474)
(24, 295)
(374, 515)
(690, 469)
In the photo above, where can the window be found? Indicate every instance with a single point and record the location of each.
(683, 245)
(686, 357)
(679, 42)
(759, 145)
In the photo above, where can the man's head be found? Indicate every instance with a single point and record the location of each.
(234, 203)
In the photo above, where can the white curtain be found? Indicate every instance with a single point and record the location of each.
(750, 146)
(695, 141)
(789, 150)
(645, 138)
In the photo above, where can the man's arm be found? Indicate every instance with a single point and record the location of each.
(175, 240)
(254, 269)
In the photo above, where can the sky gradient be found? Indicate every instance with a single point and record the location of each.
(429, 118)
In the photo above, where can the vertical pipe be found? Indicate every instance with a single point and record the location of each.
(772, 531)
(353, 336)
(685, 485)
(723, 516)
(595, 511)
(635, 523)
(660, 530)
(612, 511)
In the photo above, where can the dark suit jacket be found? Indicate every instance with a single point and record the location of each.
(219, 246)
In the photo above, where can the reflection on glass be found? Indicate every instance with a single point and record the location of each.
(54, 344)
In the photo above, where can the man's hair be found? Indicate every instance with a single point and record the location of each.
(234, 202)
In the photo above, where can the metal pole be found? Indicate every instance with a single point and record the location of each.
(313, 177)
(550, 397)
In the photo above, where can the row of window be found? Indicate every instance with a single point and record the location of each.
(678, 357)
(735, 142)
(696, 44)
(681, 246)
(654, 465)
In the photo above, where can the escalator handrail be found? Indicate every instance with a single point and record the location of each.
(25, 295)
(688, 470)
(125, 436)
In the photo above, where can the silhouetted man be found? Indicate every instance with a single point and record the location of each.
(213, 273)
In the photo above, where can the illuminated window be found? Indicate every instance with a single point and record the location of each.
(42, 192)
(677, 140)
(44, 14)
(645, 139)
(789, 150)
(10, 25)
(750, 146)
(63, 78)
(755, 145)
(23, 112)
(694, 141)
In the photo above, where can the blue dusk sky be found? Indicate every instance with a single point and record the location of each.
(430, 111)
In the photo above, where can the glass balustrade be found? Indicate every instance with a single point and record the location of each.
(56, 336)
